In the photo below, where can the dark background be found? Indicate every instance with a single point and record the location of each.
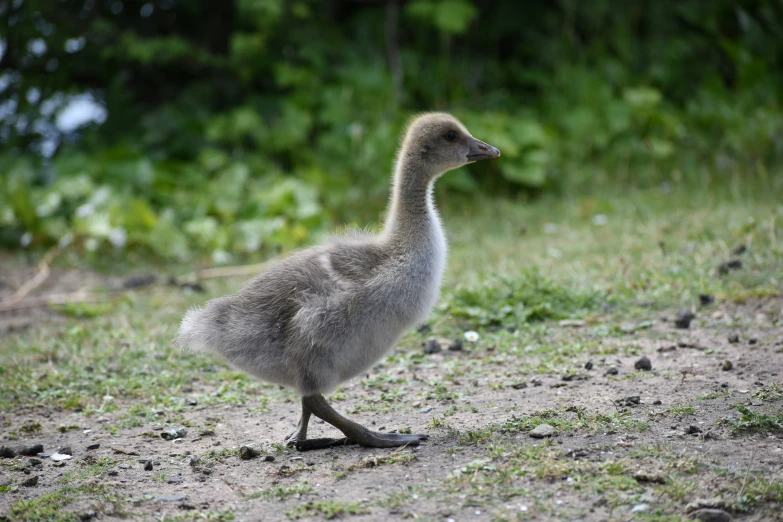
(238, 127)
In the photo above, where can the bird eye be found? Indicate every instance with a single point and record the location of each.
(451, 136)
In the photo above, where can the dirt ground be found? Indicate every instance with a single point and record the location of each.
(612, 457)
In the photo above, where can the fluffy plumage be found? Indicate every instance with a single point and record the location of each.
(329, 312)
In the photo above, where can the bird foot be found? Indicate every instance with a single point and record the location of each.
(374, 439)
(323, 443)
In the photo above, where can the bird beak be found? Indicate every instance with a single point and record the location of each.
(480, 150)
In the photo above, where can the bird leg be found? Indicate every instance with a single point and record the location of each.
(301, 430)
(356, 433)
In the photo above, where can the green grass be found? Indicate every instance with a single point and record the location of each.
(49, 506)
(328, 509)
(679, 411)
(754, 422)
(507, 284)
(282, 492)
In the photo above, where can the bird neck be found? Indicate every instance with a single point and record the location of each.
(411, 215)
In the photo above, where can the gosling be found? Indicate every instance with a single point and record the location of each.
(329, 312)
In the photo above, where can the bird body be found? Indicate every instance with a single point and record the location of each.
(329, 312)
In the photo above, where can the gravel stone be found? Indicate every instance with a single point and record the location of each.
(542, 431)
(643, 364)
(432, 346)
(684, 318)
(172, 433)
(456, 346)
(30, 482)
(247, 453)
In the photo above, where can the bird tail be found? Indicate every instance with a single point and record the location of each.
(192, 334)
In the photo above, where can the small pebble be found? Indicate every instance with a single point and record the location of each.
(612, 371)
(684, 318)
(692, 430)
(426, 409)
(519, 385)
(174, 479)
(542, 431)
(657, 402)
(734, 338)
(113, 473)
(643, 364)
(432, 346)
(66, 450)
(269, 458)
(589, 365)
(35, 462)
(172, 433)
(724, 385)
(30, 482)
(738, 251)
(726, 366)
(456, 346)
(59, 457)
(191, 401)
(727, 266)
(93, 447)
(247, 453)
(752, 341)
(194, 461)
(148, 466)
(706, 299)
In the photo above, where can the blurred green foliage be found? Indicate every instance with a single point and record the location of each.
(247, 126)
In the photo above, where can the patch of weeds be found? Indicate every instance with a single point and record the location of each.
(677, 489)
(90, 467)
(757, 490)
(282, 492)
(678, 411)
(30, 427)
(750, 421)
(209, 516)
(770, 393)
(396, 499)
(374, 462)
(327, 509)
(63, 428)
(84, 310)
(49, 506)
(476, 436)
(281, 448)
(437, 422)
(715, 394)
(527, 297)
(526, 423)
(216, 455)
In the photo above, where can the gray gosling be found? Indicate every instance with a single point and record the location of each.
(329, 312)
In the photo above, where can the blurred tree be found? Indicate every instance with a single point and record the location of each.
(198, 110)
